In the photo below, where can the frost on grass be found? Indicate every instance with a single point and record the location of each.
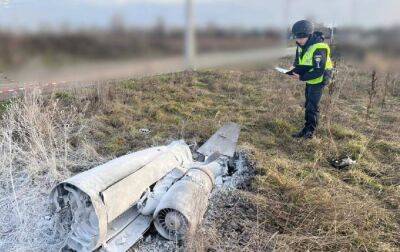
(40, 145)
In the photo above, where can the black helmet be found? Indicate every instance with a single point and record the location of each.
(302, 29)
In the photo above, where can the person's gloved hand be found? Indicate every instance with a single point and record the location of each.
(291, 71)
(294, 76)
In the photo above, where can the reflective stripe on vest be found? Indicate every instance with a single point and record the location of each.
(307, 59)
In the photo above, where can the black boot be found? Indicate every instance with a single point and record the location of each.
(299, 134)
(308, 135)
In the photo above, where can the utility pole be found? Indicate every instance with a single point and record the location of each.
(190, 36)
(286, 20)
(353, 14)
(332, 31)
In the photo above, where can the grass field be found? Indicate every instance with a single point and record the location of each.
(296, 201)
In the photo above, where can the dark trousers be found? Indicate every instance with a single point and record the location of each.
(313, 95)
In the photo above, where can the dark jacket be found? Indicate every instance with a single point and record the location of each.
(318, 67)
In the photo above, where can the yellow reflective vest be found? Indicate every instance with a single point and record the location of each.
(307, 59)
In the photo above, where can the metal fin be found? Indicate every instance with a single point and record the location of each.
(224, 141)
(129, 235)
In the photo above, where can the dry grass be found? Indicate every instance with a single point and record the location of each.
(297, 201)
(39, 146)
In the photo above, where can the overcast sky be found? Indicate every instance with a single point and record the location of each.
(246, 13)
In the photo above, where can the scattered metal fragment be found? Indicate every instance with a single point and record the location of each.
(342, 163)
(224, 141)
(145, 131)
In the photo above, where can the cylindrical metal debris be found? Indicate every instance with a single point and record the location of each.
(182, 208)
(92, 200)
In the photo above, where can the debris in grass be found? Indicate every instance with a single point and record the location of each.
(342, 163)
(145, 131)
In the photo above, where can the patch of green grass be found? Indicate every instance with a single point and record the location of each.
(129, 84)
(354, 148)
(4, 105)
(201, 85)
(386, 147)
(64, 96)
(359, 177)
(279, 126)
(116, 146)
(341, 132)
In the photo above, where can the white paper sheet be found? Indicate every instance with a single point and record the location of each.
(282, 70)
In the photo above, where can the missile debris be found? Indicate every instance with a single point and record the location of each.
(224, 141)
(111, 206)
(183, 206)
(150, 200)
(90, 201)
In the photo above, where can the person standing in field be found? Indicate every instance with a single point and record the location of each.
(314, 66)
